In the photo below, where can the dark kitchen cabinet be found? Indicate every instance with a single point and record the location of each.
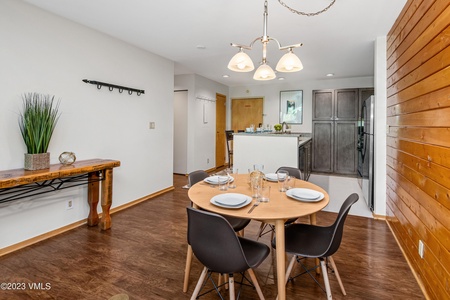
(322, 147)
(304, 161)
(345, 147)
(335, 130)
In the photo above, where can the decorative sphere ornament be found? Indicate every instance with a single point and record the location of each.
(67, 158)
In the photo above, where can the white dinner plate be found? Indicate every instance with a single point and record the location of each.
(306, 195)
(271, 177)
(231, 200)
(216, 179)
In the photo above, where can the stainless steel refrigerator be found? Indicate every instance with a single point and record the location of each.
(366, 150)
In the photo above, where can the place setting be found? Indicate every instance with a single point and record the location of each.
(219, 180)
(231, 200)
(305, 195)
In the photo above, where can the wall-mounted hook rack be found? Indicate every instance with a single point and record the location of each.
(205, 98)
(111, 87)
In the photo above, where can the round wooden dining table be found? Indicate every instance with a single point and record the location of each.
(275, 212)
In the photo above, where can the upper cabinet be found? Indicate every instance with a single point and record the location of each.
(331, 105)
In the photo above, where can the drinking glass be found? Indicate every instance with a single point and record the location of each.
(256, 190)
(265, 193)
(258, 167)
(223, 184)
(231, 184)
(282, 176)
(290, 183)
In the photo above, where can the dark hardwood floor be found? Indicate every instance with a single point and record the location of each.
(144, 254)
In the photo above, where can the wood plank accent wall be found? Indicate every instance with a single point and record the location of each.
(418, 139)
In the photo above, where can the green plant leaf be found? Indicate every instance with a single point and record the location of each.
(37, 121)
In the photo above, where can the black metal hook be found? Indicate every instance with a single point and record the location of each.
(111, 87)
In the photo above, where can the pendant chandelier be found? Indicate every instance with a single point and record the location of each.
(241, 62)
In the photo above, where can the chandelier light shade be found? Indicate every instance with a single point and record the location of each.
(289, 63)
(241, 62)
(264, 72)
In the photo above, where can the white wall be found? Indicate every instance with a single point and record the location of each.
(44, 53)
(201, 136)
(180, 132)
(271, 95)
(380, 117)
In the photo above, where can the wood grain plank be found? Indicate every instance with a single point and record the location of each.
(414, 74)
(439, 13)
(429, 84)
(401, 20)
(415, 26)
(431, 188)
(430, 153)
(428, 118)
(433, 267)
(433, 100)
(423, 220)
(398, 230)
(404, 28)
(408, 63)
(426, 135)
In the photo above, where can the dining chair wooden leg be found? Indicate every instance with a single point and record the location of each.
(231, 287)
(256, 284)
(199, 283)
(336, 273)
(225, 276)
(187, 269)
(325, 278)
(219, 281)
(290, 267)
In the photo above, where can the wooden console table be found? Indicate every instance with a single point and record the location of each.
(19, 183)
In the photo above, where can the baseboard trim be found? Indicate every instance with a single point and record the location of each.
(74, 225)
(419, 282)
(379, 217)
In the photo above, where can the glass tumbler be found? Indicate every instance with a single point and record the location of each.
(282, 177)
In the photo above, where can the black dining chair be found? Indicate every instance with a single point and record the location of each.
(238, 224)
(220, 250)
(293, 172)
(312, 241)
(229, 141)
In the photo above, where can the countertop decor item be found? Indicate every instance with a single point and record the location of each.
(37, 120)
(67, 158)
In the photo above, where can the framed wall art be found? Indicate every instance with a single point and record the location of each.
(291, 107)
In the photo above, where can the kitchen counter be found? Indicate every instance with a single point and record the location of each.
(273, 150)
(302, 138)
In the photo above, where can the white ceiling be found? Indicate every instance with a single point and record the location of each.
(339, 41)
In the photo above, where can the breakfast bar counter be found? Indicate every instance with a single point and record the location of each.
(272, 150)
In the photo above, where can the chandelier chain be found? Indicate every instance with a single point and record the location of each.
(305, 13)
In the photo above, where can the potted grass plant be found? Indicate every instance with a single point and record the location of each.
(37, 121)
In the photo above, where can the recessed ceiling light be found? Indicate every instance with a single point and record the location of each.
(330, 75)
(280, 78)
(225, 76)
